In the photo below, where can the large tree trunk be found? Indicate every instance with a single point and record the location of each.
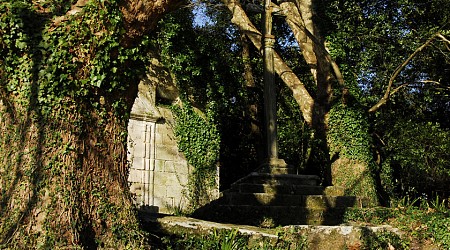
(65, 96)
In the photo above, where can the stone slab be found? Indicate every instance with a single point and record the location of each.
(316, 237)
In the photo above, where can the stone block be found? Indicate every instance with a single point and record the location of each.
(165, 178)
(180, 158)
(139, 149)
(167, 135)
(181, 167)
(169, 167)
(148, 164)
(148, 131)
(159, 202)
(135, 176)
(158, 138)
(160, 128)
(167, 208)
(131, 126)
(183, 179)
(137, 132)
(137, 189)
(175, 191)
(146, 177)
(166, 152)
(159, 165)
(160, 190)
(151, 179)
(138, 163)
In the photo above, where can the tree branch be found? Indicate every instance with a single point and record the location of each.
(292, 18)
(437, 83)
(397, 71)
(299, 91)
(443, 38)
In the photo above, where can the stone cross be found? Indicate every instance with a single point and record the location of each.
(274, 164)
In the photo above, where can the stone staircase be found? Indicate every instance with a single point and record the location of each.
(265, 199)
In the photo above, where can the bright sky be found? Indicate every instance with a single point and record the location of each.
(200, 17)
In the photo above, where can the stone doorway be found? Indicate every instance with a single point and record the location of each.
(159, 172)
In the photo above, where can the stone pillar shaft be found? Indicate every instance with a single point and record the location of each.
(270, 107)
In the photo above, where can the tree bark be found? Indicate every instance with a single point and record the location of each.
(299, 91)
(141, 16)
(63, 158)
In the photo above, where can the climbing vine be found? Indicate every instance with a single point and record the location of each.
(199, 140)
(349, 139)
(210, 123)
(65, 92)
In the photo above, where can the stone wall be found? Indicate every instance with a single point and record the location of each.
(158, 171)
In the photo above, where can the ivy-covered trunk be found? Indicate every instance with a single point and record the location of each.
(68, 78)
(352, 163)
(63, 176)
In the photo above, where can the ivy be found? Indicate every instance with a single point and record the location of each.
(199, 140)
(349, 130)
(349, 139)
(61, 85)
(208, 73)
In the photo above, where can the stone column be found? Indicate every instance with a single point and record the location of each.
(273, 164)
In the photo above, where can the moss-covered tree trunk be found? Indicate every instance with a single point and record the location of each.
(68, 78)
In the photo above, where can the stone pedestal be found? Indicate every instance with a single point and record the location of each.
(277, 166)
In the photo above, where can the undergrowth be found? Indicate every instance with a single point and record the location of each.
(228, 240)
(423, 222)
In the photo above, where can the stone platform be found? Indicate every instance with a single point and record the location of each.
(266, 199)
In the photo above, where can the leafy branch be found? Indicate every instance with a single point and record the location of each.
(389, 91)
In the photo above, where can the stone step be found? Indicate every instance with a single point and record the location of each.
(310, 201)
(272, 216)
(291, 237)
(287, 189)
(280, 179)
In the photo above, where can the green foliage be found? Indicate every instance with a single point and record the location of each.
(349, 132)
(293, 133)
(217, 240)
(421, 225)
(197, 137)
(377, 215)
(369, 40)
(206, 63)
(199, 140)
(349, 140)
(78, 58)
(233, 239)
(418, 154)
(382, 240)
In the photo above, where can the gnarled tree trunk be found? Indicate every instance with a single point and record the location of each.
(65, 96)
